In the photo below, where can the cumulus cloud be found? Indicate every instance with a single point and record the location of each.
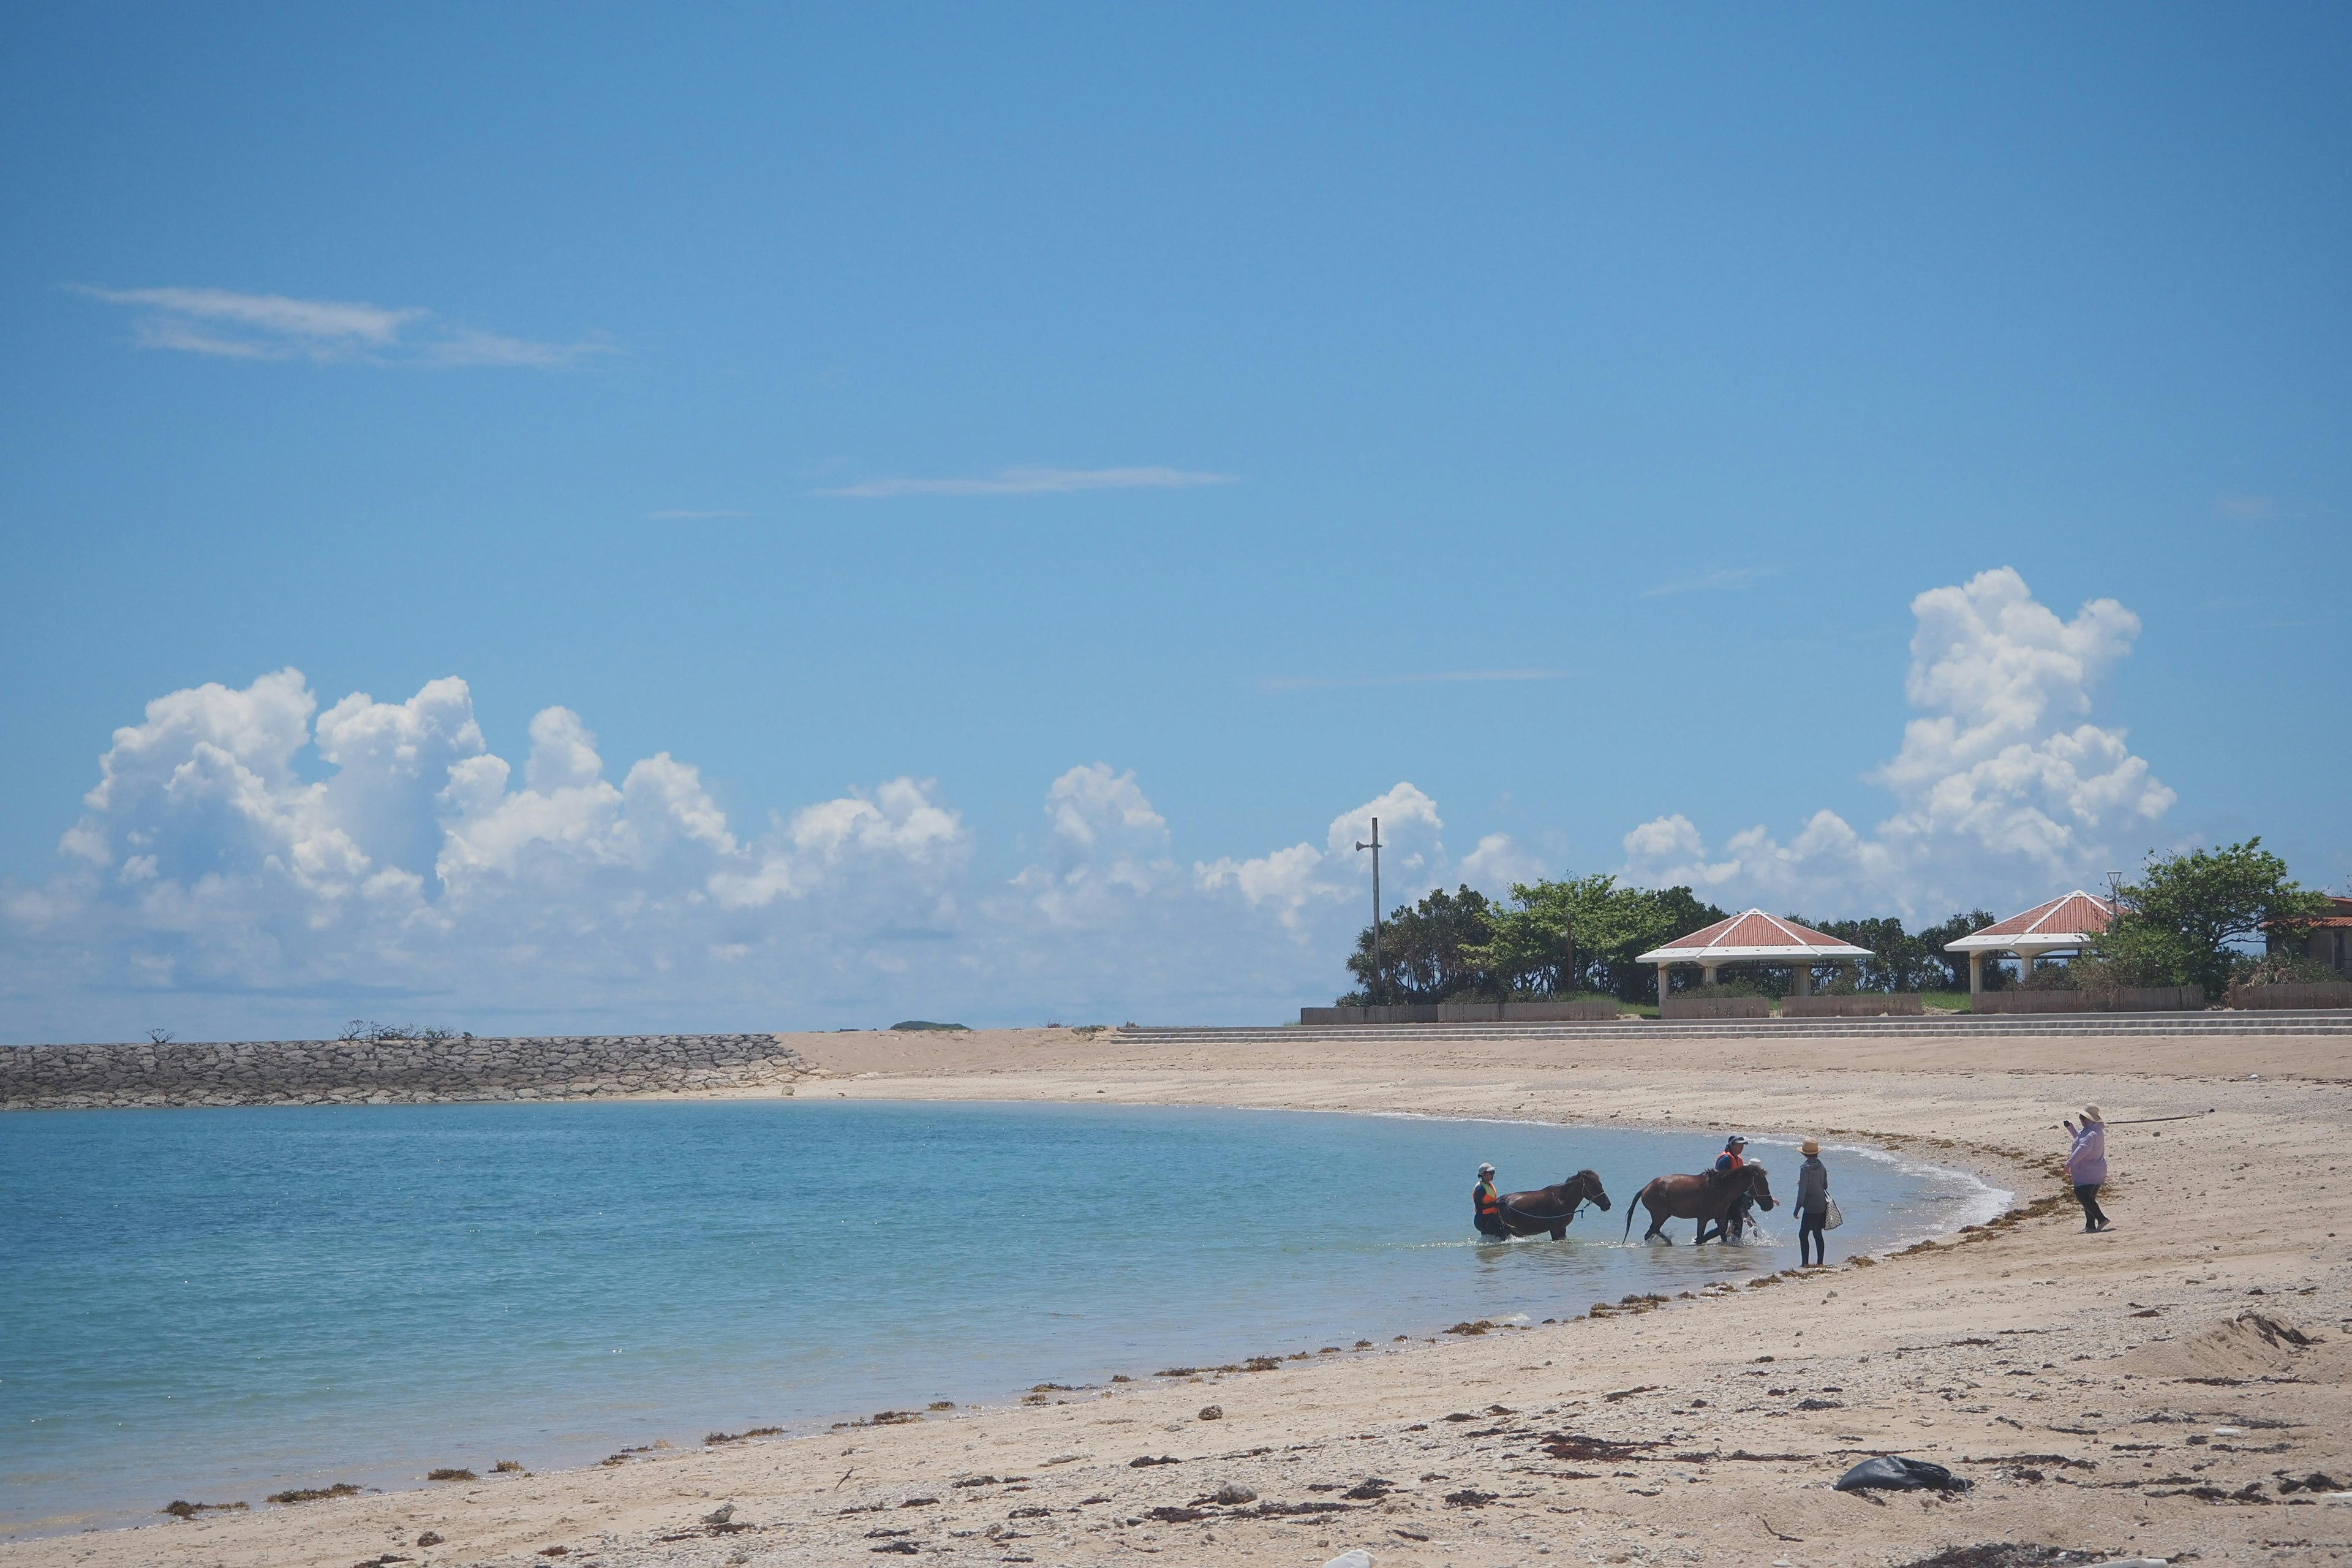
(246, 851)
(2003, 779)
(228, 324)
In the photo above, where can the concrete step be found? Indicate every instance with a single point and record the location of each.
(2041, 1026)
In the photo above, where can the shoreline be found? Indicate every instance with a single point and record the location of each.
(1985, 1202)
(2114, 1321)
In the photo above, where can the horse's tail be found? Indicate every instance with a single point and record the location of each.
(1629, 1207)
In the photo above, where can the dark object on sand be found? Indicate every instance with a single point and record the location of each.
(450, 1473)
(1212, 1413)
(1897, 1474)
(921, 1024)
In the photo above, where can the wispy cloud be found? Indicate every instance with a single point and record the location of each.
(1034, 482)
(231, 325)
(1432, 678)
(2246, 507)
(683, 514)
(1732, 577)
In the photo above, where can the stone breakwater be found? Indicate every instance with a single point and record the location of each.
(387, 1072)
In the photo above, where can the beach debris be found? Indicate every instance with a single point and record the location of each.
(543, 1551)
(431, 1538)
(1469, 1496)
(975, 1481)
(2318, 1482)
(1354, 1557)
(1056, 1459)
(1233, 1494)
(1031, 1510)
(721, 1514)
(451, 1473)
(1147, 1461)
(1178, 1515)
(1371, 1489)
(1480, 1327)
(1892, 1472)
(181, 1508)
(313, 1494)
(949, 1403)
(1212, 1413)
(507, 1467)
(905, 1547)
(1001, 1531)
(736, 1436)
(921, 1502)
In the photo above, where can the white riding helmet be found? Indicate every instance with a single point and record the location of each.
(1486, 1170)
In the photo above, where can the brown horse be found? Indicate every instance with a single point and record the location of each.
(1552, 1208)
(1705, 1198)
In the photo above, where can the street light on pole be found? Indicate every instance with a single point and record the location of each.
(1379, 977)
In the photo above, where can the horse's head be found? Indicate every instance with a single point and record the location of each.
(1760, 1186)
(1590, 1182)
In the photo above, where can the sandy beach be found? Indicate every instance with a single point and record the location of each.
(2165, 1389)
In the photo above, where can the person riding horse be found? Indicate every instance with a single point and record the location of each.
(1736, 1218)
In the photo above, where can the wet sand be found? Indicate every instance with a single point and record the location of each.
(2161, 1389)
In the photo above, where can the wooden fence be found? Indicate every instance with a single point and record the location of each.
(1466, 1013)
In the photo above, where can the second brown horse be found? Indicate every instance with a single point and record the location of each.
(1705, 1198)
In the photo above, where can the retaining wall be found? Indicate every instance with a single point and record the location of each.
(315, 1072)
(1863, 1005)
(1466, 1013)
(2142, 999)
(1683, 1005)
(2291, 994)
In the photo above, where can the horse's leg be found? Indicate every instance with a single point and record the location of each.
(1560, 1233)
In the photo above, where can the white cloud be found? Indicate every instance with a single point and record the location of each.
(1033, 482)
(227, 324)
(2002, 782)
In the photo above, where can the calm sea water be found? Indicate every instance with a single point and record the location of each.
(219, 1304)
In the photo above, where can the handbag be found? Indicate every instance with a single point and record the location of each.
(1835, 1218)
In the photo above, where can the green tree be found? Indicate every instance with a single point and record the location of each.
(2181, 919)
(1430, 951)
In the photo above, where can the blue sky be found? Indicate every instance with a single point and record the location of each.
(1556, 410)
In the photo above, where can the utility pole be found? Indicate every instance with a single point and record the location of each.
(1380, 977)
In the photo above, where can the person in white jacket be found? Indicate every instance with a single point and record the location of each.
(2087, 1166)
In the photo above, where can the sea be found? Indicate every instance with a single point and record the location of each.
(214, 1305)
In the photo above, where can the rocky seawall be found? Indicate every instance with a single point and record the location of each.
(387, 1072)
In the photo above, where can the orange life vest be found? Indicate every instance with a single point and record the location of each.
(1490, 1202)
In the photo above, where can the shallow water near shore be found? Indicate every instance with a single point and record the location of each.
(215, 1305)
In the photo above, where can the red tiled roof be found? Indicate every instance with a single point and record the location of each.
(2076, 914)
(1752, 929)
(2340, 918)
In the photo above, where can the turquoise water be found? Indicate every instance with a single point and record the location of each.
(220, 1304)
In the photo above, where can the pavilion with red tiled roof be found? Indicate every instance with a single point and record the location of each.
(1752, 937)
(2062, 925)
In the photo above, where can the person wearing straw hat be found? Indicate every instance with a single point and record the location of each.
(2087, 1166)
(1813, 1205)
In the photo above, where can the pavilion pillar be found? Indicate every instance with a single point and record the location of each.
(1664, 990)
(1706, 974)
(1802, 981)
(1976, 973)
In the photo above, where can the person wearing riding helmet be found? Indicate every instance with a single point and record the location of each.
(1725, 1164)
(1486, 1206)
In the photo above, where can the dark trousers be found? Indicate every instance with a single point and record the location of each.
(1810, 1237)
(2088, 1194)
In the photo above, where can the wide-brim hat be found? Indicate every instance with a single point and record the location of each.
(2092, 1112)
(1810, 1146)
